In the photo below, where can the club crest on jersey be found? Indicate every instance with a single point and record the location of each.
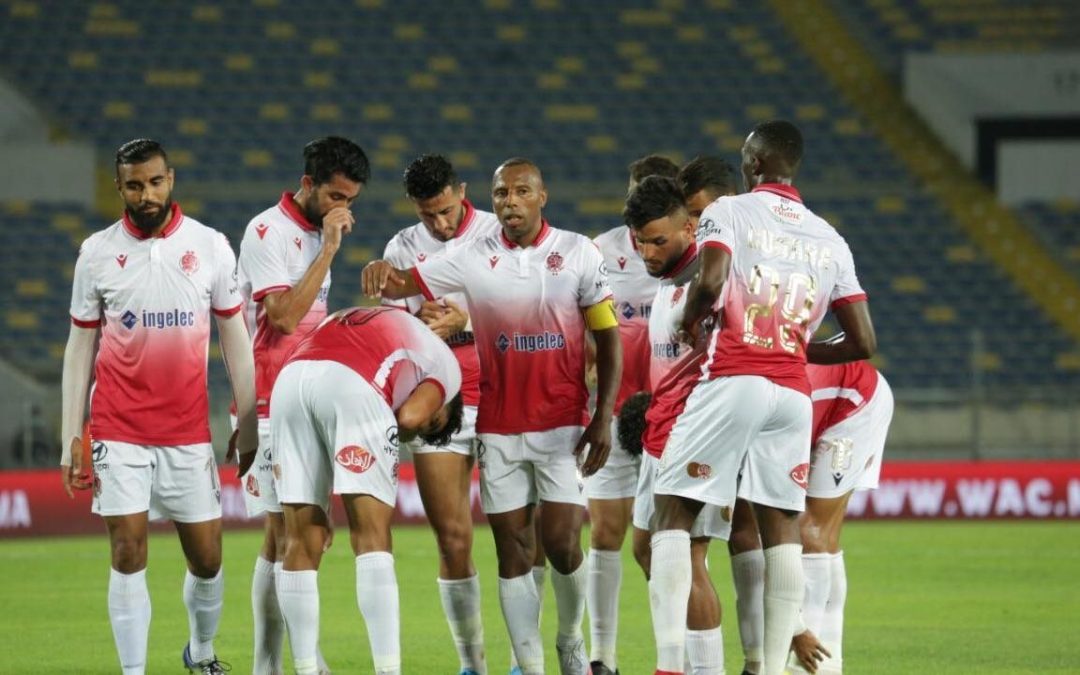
(554, 262)
(252, 485)
(261, 229)
(189, 262)
(298, 243)
(355, 459)
(421, 257)
(494, 260)
(622, 262)
(121, 260)
(676, 296)
(799, 474)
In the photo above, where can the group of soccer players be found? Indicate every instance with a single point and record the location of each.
(695, 316)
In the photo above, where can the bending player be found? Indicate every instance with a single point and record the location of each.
(771, 266)
(443, 473)
(532, 291)
(354, 387)
(285, 260)
(611, 489)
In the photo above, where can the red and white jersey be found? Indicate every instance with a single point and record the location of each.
(634, 290)
(392, 350)
(839, 391)
(414, 245)
(526, 308)
(279, 246)
(673, 368)
(152, 298)
(787, 267)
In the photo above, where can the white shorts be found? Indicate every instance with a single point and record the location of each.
(260, 486)
(462, 443)
(178, 482)
(742, 436)
(331, 431)
(848, 454)
(618, 478)
(713, 521)
(521, 469)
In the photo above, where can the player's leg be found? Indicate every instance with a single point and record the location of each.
(444, 482)
(204, 585)
(129, 598)
(671, 577)
(704, 639)
(539, 575)
(610, 519)
(307, 529)
(376, 581)
(748, 576)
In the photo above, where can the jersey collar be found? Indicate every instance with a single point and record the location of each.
(781, 190)
(687, 257)
(545, 229)
(289, 208)
(174, 223)
(466, 219)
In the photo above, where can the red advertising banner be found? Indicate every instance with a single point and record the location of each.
(32, 503)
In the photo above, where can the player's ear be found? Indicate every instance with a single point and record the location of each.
(307, 184)
(461, 189)
(543, 197)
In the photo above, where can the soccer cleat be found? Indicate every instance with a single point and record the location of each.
(598, 668)
(469, 672)
(572, 658)
(210, 666)
(516, 670)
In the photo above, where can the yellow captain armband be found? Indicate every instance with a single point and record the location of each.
(601, 316)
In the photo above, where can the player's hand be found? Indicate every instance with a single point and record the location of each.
(72, 476)
(449, 320)
(376, 275)
(243, 458)
(809, 650)
(329, 541)
(336, 223)
(597, 437)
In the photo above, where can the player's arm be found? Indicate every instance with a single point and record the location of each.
(240, 365)
(381, 279)
(444, 317)
(858, 342)
(418, 409)
(604, 326)
(78, 363)
(705, 289)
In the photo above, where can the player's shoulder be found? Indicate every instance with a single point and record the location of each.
(484, 224)
(614, 238)
(405, 238)
(98, 239)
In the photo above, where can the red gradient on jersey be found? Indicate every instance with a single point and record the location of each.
(858, 376)
(469, 362)
(637, 349)
(272, 347)
(669, 399)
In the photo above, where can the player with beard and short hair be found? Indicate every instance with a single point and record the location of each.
(285, 260)
(149, 284)
(448, 220)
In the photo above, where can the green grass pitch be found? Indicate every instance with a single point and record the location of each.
(923, 598)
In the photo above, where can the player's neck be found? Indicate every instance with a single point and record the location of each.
(774, 179)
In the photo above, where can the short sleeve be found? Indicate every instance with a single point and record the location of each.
(396, 256)
(85, 300)
(847, 288)
(716, 227)
(263, 260)
(225, 298)
(594, 286)
(443, 274)
(443, 368)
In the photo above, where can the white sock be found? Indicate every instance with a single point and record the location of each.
(538, 579)
(461, 604)
(521, 611)
(816, 571)
(669, 595)
(279, 567)
(705, 651)
(129, 614)
(748, 573)
(203, 599)
(784, 588)
(377, 596)
(570, 602)
(298, 595)
(269, 625)
(602, 595)
(832, 624)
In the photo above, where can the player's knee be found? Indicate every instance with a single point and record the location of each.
(205, 564)
(607, 535)
(743, 540)
(813, 534)
(564, 554)
(128, 554)
(455, 545)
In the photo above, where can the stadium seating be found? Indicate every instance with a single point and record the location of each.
(235, 90)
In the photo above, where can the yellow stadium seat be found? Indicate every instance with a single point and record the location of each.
(716, 127)
(118, 110)
(17, 207)
(600, 206)
(377, 112)
(810, 111)
(1068, 361)
(939, 314)
(771, 65)
(274, 111)
(111, 27)
(56, 350)
(181, 158)
(464, 159)
(68, 222)
(962, 253)
(630, 81)
(602, 143)
(571, 112)
(387, 159)
(83, 60)
(239, 62)
(192, 126)
(690, 33)
(31, 288)
(570, 64)
(423, 81)
(988, 361)
(443, 64)
(173, 78)
(645, 17)
(908, 284)
(359, 254)
(207, 13)
(848, 126)
(279, 30)
(551, 81)
(395, 142)
(257, 159)
(629, 49)
(645, 64)
(497, 4)
(325, 112)
(325, 46)
(408, 32)
(22, 320)
(24, 10)
(547, 5)
(402, 208)
(761, 111)
(890, 204)
(457, 112)
(369, 4)
(104, 10)
(318, 80)
(510, 33)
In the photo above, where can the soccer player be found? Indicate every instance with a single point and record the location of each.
(532, 290)
(772, 267)
(448, 221)
(285, 260)
(611, 489)
(703, 180)
(853, 407)
(664, 233)
(354, 387)
(148, 284)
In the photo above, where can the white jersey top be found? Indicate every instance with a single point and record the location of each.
(674, 368)
(392, 350)
(414, 245)
(152, 298)
(633, 289)
(279, 246)
(526, 306)
(787, 267)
